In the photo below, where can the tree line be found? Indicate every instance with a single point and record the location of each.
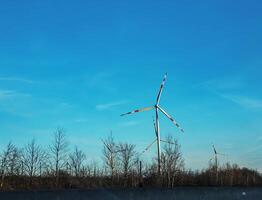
(34, 167)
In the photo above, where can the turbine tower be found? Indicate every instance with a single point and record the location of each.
(157, 108)
(216, 160)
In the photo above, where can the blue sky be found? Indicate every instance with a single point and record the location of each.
(80, 64)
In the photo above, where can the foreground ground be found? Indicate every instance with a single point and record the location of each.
(182, 193)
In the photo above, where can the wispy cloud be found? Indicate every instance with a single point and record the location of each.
(102, 81)
(231, 88)
(65, 105)
(15, 103)
(16, 79)
(7, 94)
(244, 101)
(108, 106)
(223, 83)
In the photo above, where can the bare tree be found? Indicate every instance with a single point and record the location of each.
(58, 150)
(110, 151)
(172, 160)
(127, 157)
(5, 160)
(77, 159)
(33, 155)
(15, 161)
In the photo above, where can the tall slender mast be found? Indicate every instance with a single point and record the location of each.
(216, 163)
(157, 124)
(158, 142)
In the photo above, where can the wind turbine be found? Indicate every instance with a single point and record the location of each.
(216, 159)
(216, 155)
(157, 108)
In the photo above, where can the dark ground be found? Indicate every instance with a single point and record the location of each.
(182, 193)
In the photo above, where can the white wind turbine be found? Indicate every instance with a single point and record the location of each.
(216, 159)
(157, 108)
(216, 156)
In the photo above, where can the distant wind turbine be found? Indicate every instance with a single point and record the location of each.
(216, 154)
(157, 108)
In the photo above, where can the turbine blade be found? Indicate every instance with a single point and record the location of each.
(138, 110)
(167, 142)
(215, 151)
(161, 89)
(168, 116)
(148, 147)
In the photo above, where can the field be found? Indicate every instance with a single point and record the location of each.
(182, 193)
